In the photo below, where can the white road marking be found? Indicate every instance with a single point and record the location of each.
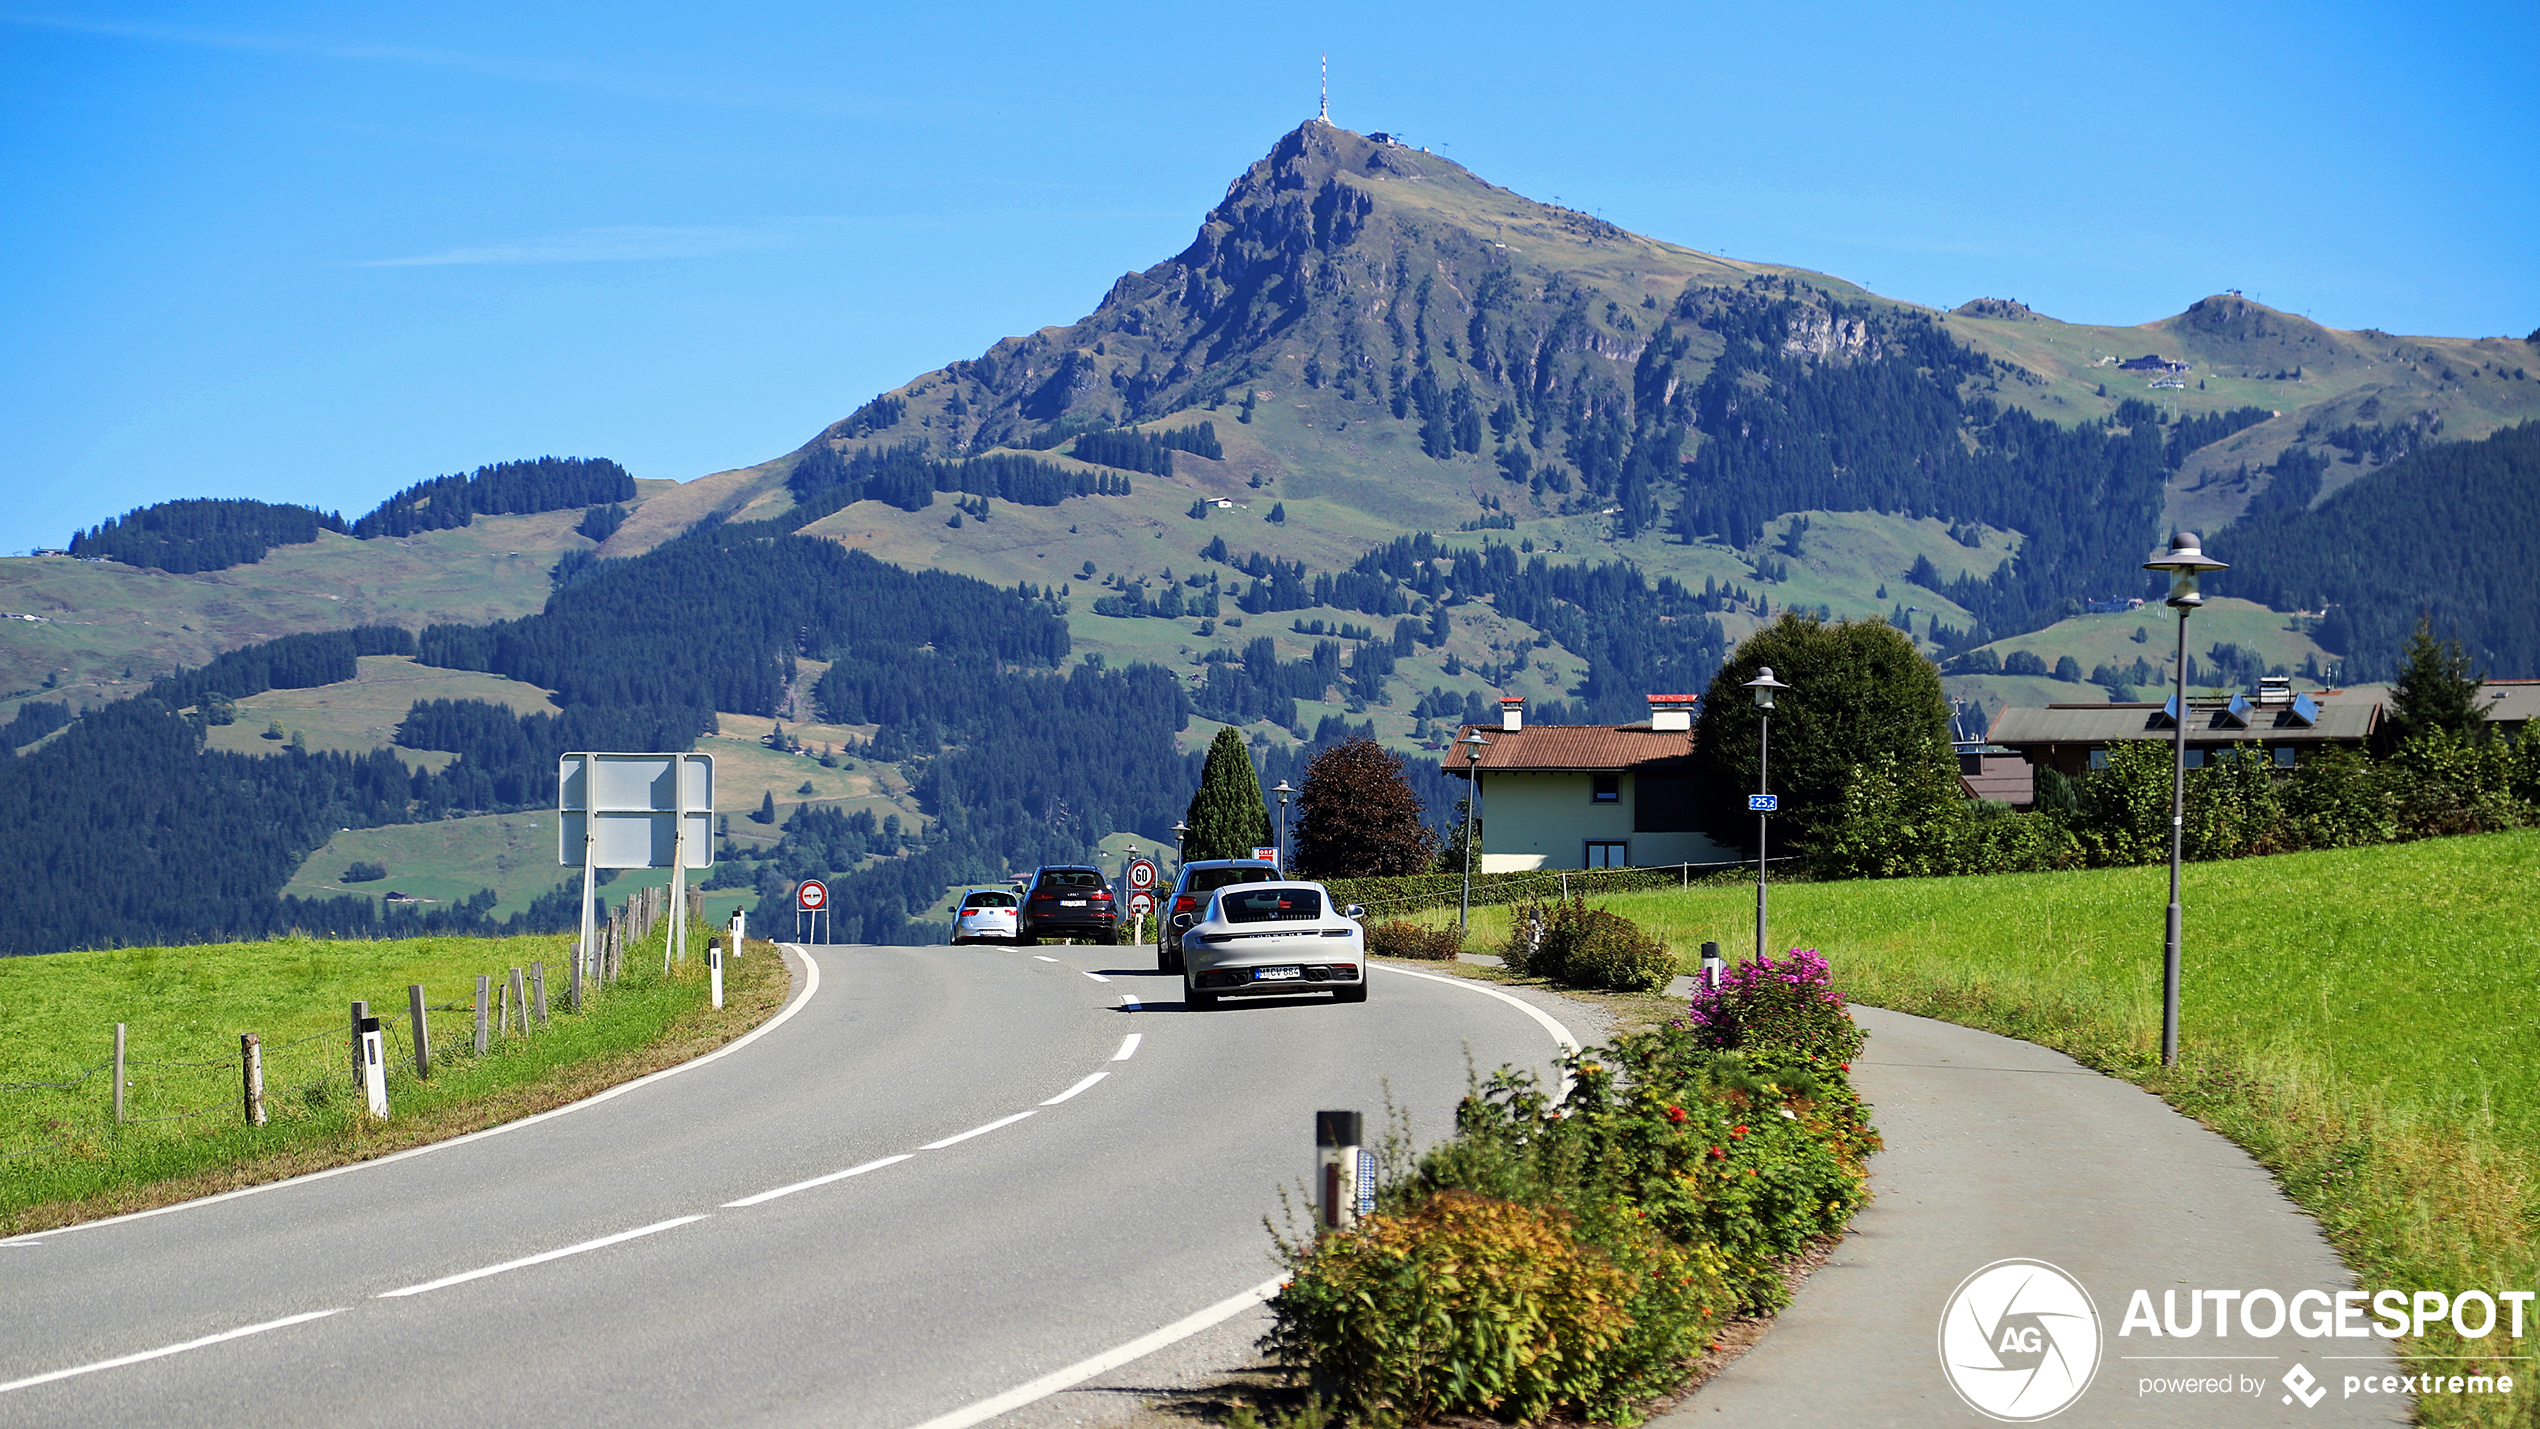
(1037, 957)
(1129, 1000)
(1559, 1033)
(540, 1258)
(811, 985)
(1128, 1047)
(765, 1196)
(1071, 1091)
(975, 1131)
(121, 1360)
(1098, 977)
(1083, 1370)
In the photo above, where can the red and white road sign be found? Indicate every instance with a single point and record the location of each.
(1141, 874)
(1141, 903)
(1266, 855)
(811, 895)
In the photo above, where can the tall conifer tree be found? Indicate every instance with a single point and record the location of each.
(1226, 817)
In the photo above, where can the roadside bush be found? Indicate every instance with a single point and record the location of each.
(1786, 1005)
(1577, 946)
(1570, 1252)
(1395, 938)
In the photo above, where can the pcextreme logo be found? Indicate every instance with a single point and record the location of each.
(2019, 1341)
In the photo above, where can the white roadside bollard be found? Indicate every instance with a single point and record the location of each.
(714, 969)
(1344, 1172)
(374, 1070)
(1712, 966)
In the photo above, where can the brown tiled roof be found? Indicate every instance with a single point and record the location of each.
(2002, 778)
(1560, 748)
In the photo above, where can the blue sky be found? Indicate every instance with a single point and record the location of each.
(316, 253)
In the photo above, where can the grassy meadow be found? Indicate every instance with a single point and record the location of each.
(64, 1159)
(2364, 1021)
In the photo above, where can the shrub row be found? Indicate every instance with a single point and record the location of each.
(1569, 943)
(2238, 805)
(1572, 1251)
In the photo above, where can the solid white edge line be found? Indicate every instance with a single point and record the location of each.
(764, 1197)
(1552, 1025)
(811, 984)
(540, 1258)
(1098, 977)
(121, 1360)
(1080, 1086)
(1083, 1370)
(975, 1131)
(1128, 1047)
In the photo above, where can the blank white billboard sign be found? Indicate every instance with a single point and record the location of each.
(632, 806)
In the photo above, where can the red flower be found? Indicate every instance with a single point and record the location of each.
(1718, 1155)
(1737, 1131)
(1675, 1113)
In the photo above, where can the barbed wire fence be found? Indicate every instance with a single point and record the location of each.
(1399, 897)
(76, 1114)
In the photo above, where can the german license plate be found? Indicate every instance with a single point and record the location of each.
(1071, 903)
(1276, 974)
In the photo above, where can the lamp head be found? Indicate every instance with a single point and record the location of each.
(1764, 685)
(1283, 791)
(1473, 744)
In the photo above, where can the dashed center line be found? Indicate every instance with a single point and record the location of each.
(1129, 1000)
(121, 1360)
(765, 1196)
(1071, 1091)
(975, 1131)
(1128, 1047)
(541, 1258)
(1043, 958)
(1098, 977)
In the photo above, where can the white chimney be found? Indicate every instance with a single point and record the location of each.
(1672, 713)
(1512, 713)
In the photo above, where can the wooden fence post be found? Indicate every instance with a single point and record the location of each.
(482, 992)
(361, 1010)
(423, 1033)
(251, 1069)
(520, 1003)
(119, 1084)
(538, 989)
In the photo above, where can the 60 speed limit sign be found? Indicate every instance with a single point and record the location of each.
(811, 895)
(1141, 874)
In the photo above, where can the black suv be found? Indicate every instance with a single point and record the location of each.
(1189, 898)
(1068, 900)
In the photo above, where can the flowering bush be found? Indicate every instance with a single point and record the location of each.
(1571, 1251)
(1787, 1005)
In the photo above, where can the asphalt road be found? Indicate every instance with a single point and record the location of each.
(997, 1238)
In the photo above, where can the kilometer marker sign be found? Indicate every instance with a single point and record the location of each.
(811, 895)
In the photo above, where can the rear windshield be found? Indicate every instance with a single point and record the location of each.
(1209, 880)
(990, 900)
(1271, 905)
(1068, 878)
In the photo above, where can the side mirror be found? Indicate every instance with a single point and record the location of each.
(1355, 910)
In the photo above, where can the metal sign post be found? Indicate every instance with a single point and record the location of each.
(633, 811)
(811, 897)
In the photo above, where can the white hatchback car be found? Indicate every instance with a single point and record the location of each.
(1262, 939)
(986, 913)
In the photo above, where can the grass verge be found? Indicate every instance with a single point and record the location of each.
(2362, 1021)
(68, 1161)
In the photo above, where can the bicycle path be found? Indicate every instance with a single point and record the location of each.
(1999, 1149)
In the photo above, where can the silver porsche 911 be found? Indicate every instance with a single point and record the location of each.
(1272, 939)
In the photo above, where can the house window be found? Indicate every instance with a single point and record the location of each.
(2284, 756)
(1608, 854)
(2195, 759)
(2098, 759)
(1605, 788)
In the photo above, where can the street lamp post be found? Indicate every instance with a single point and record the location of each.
(1181, 836)
(1283, 791)
(1473, 744)
(1763, 685)
(2186, 562)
